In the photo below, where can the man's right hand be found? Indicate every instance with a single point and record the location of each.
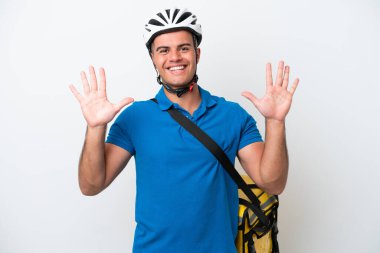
(96, 108)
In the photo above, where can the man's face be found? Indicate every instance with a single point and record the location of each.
(174, 57)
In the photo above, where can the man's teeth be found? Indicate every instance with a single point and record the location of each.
(177, 68)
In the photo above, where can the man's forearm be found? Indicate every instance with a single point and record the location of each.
(274, 162)
(92, 161)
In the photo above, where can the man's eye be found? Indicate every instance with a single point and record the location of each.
(185, 49)
(163, 51)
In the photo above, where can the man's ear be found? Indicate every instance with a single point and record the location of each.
(151, 57)
(198, 54)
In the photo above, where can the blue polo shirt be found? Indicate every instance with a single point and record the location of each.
(185, 200)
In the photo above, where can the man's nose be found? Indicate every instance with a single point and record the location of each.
(175, 55)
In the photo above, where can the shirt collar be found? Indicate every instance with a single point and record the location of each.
(207, 98)
(164, 103)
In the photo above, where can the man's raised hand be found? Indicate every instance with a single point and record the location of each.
(277, 100)
(96, 108)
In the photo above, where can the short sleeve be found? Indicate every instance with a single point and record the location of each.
(249, 131)
(119, 133)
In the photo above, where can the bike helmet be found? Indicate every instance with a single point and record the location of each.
(169, 20)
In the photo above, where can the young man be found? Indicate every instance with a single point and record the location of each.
(186, 201)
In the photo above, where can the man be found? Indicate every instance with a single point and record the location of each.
(186, 201)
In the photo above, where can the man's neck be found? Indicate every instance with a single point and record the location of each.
(189, 101)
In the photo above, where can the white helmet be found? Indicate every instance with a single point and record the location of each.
(172, 20)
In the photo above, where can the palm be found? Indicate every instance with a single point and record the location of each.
(276, 102)
(96, 108)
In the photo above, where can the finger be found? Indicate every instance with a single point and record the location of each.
(294, 86)
(93, 81)
(269, 75)
(102, 81)
(123, 103)
(77, 95)
(86, 87)
(280, 73)
(286, 77)
(250, 97)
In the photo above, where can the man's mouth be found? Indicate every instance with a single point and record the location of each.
(174, 68)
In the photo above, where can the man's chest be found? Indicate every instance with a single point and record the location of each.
(159, 137)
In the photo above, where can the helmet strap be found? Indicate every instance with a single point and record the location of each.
(180, 91)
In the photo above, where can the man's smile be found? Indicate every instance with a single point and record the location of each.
(178, 69)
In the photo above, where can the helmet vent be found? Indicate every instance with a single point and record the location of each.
(175, 14)
(168, 13)
(183, 17)
(194, 22)
(155, 22)
(162, 16)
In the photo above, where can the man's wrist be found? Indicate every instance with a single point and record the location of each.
(96, 128)
(96, 131)
(274, 121)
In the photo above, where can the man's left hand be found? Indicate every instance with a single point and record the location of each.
(277, 100)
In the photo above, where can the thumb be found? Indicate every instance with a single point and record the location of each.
(123, 103)
(250, 97)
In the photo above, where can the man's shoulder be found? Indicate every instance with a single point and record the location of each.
(226, 104)
(221, 101)
(142, 107)
(228, 107)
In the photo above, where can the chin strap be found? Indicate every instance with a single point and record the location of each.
(180, 91)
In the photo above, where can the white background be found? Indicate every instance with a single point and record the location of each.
(331, 203)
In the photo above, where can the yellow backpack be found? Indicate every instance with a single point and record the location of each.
(252, 235)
